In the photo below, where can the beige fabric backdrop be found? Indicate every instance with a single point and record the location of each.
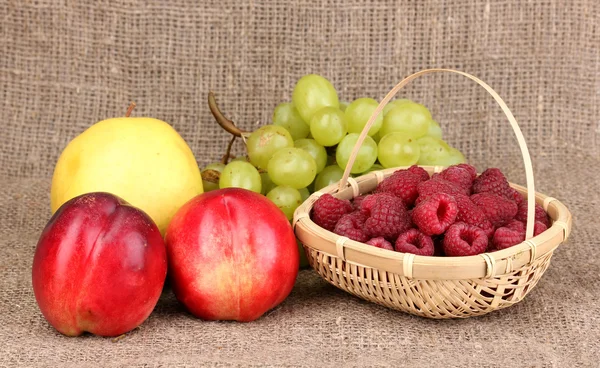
(67, 64)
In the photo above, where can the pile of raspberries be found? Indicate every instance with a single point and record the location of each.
(453, 213)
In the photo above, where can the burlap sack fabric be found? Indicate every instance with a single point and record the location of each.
(65, 65)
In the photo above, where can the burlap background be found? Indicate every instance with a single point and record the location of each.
(67, 64)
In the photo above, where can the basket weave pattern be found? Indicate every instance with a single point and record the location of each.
(429, 298)
(432, 287)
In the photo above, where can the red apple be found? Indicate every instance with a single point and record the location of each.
(232, 255)
(99, 266)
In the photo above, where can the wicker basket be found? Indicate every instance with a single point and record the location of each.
(433, 287)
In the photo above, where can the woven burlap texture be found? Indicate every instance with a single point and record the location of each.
(65, 65)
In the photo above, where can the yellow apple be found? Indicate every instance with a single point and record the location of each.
(142, 160)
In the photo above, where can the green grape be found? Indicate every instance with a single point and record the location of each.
(311, 186)
(343, 105)
(331, 174)
(376, 137)
(398, 149)
(439, 153)
(434, 129)
(241, 158)
(358, 114)
(312, 93)
(393, 104)
(293, 167)
(454, 157)
(317, 151)
(217, 166)
(267, 183)
(265, 141)
(240, 174)
(304, 193)
(366, 157)
(286, 198)
(210, 179)
(286, 115)
(375, 167)
(409, 117)
(328, 126)
(434, 151)
(303, 260)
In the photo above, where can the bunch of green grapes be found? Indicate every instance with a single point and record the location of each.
(311, 138)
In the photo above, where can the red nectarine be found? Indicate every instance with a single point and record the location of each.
(99, 266)
(232, 255)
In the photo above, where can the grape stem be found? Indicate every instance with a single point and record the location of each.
(225, 123)
(227, 154)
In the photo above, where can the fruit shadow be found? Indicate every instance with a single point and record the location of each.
(308, 290)
(167, 304)
(311, 293)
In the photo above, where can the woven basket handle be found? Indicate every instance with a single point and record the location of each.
(505, 109)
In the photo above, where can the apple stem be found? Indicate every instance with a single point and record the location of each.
(225, 123)
(130, 109)
(227, 154)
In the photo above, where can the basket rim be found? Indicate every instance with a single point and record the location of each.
(484, 265)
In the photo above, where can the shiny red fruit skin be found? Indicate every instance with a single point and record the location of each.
(232, 255)
(99, 266)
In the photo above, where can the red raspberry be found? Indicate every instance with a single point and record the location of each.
(516, 225)
(351, 225)
(464, 240)
(438, 185)
(387, 219)
(514, 195)
(328, 210)
(540, 214)
(470, 168)
(458, 176)
(491, 181)
(514, 233)
(402, 184)
(419, 171)
(539, 228)
(415, 242)
(357, 201)
(511, 234)
(366, 205)
(435, 214)
(438, 246)
(499, 210)
(380, 243)
(469, 213)
(506, 238)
